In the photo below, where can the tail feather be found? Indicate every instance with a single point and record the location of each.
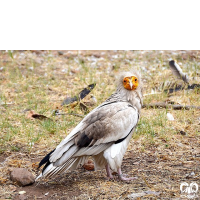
(99, 161)
(47, 164)
(61, 150)
(53, 170)
(72, 164)
(67, 166)
(48, 169)
(80, 161)
(67, 155)
(45, 159)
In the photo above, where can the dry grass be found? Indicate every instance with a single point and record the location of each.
(159, 154)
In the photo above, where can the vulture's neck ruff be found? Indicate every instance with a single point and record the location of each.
(129, 89)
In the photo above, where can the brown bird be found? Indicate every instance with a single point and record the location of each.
(103, 134)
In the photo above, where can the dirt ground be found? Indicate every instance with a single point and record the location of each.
(160, 163)
(156, 170)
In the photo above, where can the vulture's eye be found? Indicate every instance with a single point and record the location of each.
(136, 79)
(124, 81)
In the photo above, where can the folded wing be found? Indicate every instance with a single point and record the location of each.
(106, 125)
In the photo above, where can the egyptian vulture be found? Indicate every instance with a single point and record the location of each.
(103, 134)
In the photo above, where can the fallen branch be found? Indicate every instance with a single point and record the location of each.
(146, 181)
(80, 96)
(182, 87)
(71, 114)
(174, 107)
(57, 112)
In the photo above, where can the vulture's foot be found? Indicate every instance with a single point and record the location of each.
(109, 174)
(123, 178)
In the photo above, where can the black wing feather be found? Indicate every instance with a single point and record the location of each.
(46, 160)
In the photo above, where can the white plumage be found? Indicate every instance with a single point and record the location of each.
(103, 134)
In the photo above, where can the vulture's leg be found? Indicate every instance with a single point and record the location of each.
(121, 177)
(109, 174)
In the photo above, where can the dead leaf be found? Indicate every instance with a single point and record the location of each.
(3, 180)
(83, 107)
(69, 100)
(86, 91)
(74, 71)
(40, 117)
(183, 133)
(90, 101)
(35, 165)
(32, 115)
(164, 157)
(80, 96)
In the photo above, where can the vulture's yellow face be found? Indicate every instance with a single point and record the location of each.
(130, 83)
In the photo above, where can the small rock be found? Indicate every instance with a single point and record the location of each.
(22, 192)
(12, 188)
(94, 99)
(180, 144)
(145, 193)
(151, 159)
(192, 174)
(170, 117)
(22, 197)
(22, 176)
(136, 195)
(183, 133)
(60, 53)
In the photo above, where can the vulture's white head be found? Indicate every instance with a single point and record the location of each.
(130, 86)
(130, 81)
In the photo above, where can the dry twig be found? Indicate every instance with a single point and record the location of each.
(174, 107)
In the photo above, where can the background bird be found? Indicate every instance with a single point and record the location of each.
(103, 134)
